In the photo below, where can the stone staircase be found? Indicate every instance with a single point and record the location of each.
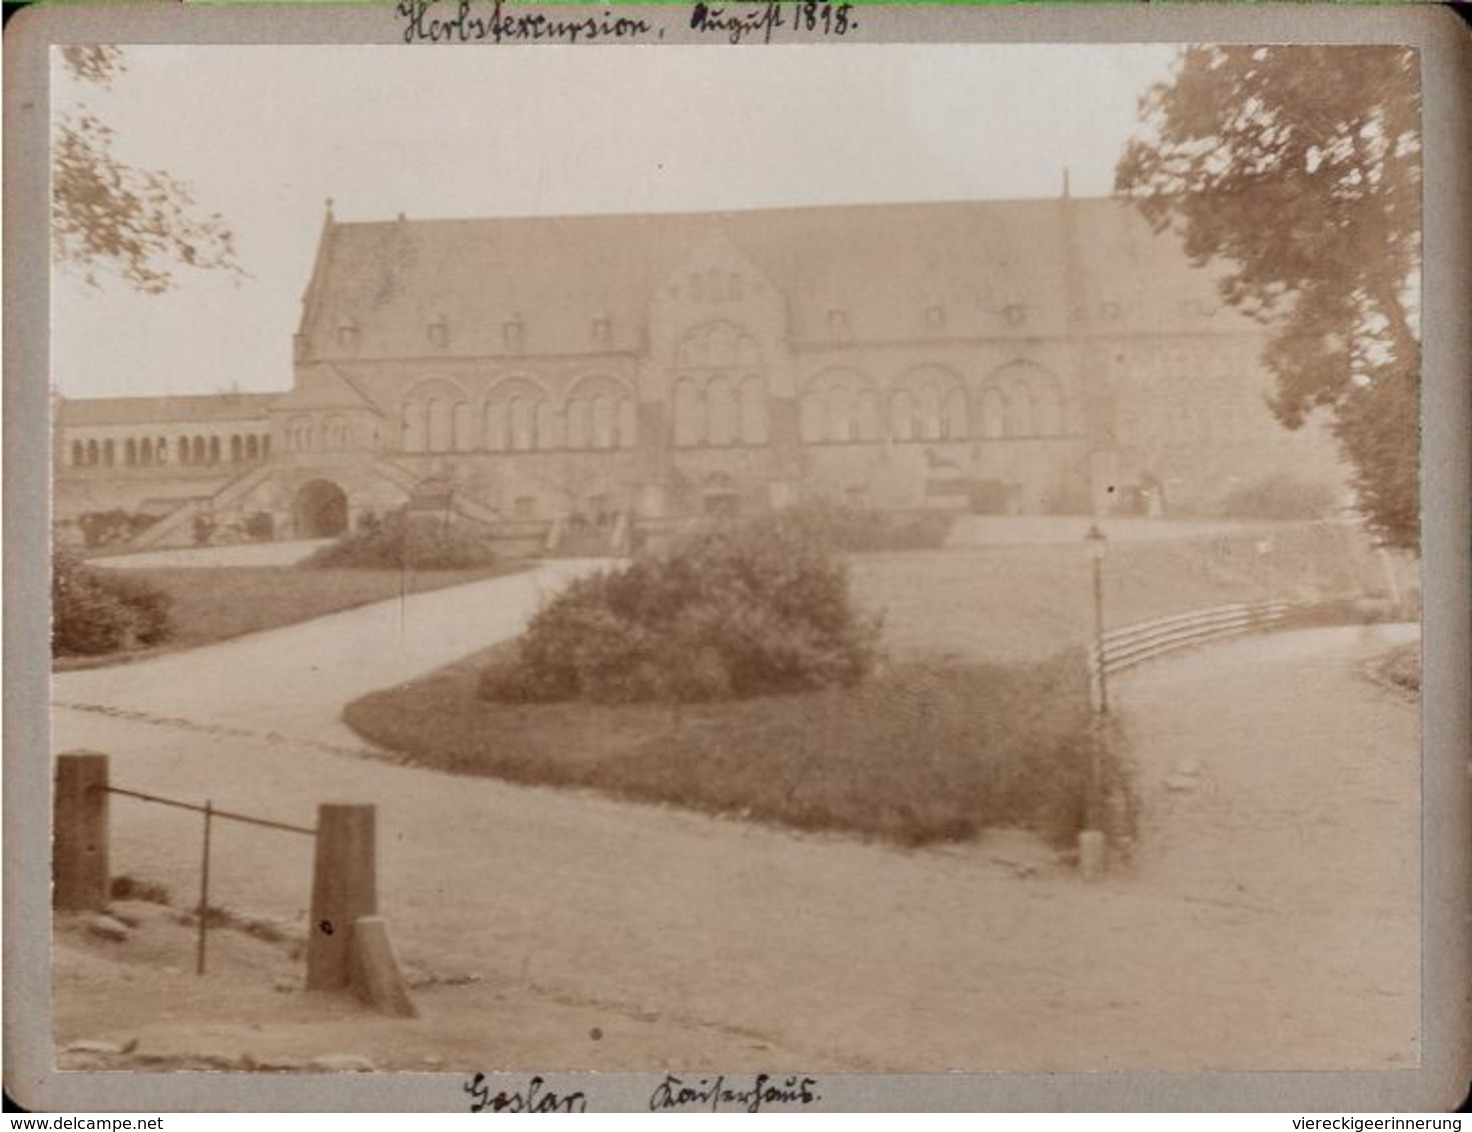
(176, 528)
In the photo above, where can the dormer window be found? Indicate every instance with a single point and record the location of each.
(514, 333)
(602, 330)
(935, 317)
(439, 332)
(1015, 314)
(347, 334)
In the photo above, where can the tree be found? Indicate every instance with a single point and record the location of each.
(1299, 169)
(106, 214)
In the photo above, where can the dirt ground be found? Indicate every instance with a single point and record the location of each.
(1271, 921)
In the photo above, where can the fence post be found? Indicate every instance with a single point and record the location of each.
(79, 866)
(344, 889)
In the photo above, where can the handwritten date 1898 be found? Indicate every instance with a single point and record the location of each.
(748, 21)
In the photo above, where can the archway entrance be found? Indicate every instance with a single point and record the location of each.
(320, 510)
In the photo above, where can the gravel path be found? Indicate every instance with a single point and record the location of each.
(1272, 922)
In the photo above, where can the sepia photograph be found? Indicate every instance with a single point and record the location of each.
(736, 565)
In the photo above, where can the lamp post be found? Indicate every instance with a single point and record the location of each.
(1091, 840)
(1098, 546)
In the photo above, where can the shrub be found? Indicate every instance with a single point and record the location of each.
(739, 610)
(95, 611)
(1280, 497)
(102, 528)
(404, 541)
(261, 526)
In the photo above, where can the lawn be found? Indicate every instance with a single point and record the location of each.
(1006, 603)
(215, 603)
(920, 752)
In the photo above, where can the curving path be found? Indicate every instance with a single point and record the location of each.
(1272, 922)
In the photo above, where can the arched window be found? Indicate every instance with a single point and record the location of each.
(414, 436)
(902, 416)
(109, 453)
(79, 453)
(495, 431)
(866, 415)
(720, 402)
(199, 450)
(92, 453)
(602, 422)
(145, 452)
(929, 405)
(937, 405)
(840, 413)
(462, 426)
(993, 413)
(753, 397)
(236, 449)
(814, 417)
(627, 422)
(689, 428)
(955, 423)
(548, 423)
(161, 450)
(441, 425)
(523, 424)
(1019, 410)
(252, 447)
(579, 423)
(130, 452)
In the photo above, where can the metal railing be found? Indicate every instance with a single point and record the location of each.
(1134, 644)
(210, 815)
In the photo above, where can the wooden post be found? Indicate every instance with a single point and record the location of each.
(344, 889)
(79, 866)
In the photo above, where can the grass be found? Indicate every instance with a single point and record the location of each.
(980, 718)
(921, 752)
(219, 602)
(1007, 603)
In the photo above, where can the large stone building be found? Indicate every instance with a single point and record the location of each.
(1037, 356)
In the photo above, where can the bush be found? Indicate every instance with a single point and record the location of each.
(95, 612)
(403, 541)
(103, 528)
(1280, 497)
(749, 608)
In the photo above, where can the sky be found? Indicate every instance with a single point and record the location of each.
(264, 134)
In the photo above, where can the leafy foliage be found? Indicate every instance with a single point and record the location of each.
(1299, 169)
(97, 611)
(106, 214)
(100, 528)
(404, 541)
(738, 610)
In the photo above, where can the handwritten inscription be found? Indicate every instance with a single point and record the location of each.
(430, 21)
(742, 21)
(536, 1097)
(739, 21)
(674, 1093)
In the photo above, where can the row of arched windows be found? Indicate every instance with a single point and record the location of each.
(519, 416)
(720, 410)
(303, 434)
(148, 451)
(931, 403)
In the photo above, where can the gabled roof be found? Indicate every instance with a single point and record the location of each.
(182, 409)
(327, 389)
(881, 264)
